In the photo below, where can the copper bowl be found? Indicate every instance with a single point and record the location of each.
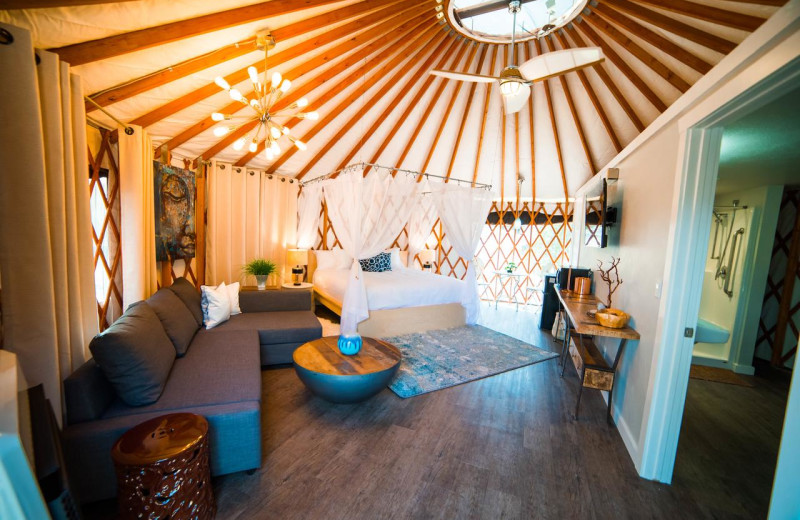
(612, 318)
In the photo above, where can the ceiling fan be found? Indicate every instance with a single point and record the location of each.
(515, 81)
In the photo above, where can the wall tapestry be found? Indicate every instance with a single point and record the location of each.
(175, 194)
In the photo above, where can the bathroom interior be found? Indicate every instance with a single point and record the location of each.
(740, 378)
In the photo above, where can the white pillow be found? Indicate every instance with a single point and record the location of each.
(397, 262)
(343, 260)
(216, 305)
(326, 259)
(233, 295)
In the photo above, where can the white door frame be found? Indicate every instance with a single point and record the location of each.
(701, 134)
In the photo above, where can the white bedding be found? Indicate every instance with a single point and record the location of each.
(394, 289)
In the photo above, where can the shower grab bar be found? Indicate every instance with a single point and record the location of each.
(731, 265)
(717, 222)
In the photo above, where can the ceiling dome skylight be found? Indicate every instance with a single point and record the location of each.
(490, 21)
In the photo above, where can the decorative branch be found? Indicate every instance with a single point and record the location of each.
(611, 277)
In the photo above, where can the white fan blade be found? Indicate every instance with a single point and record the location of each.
(514, 102)
(463, 76)
(555, 63)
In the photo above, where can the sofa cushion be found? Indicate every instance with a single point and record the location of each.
(189, 295)
(217, 369)
(87, 393)
(277, 327)
(176, 318)
(283, 300)
(135, 355)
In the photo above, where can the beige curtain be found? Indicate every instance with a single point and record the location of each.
(251, 214)
(137, 215)
(46, 262)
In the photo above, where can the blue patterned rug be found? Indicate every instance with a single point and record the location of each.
(440, 359)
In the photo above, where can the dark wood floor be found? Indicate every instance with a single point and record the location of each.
(502, 447)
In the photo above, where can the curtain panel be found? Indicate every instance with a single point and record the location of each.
(46, 261)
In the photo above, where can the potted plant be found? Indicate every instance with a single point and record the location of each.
(510, 267)
(261, 269)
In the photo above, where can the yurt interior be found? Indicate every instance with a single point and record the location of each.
(410, 259)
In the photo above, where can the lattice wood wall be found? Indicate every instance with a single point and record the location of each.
(780, 312)
(104, 201)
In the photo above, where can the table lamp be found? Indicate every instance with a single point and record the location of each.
(299, 259)
(426, 257)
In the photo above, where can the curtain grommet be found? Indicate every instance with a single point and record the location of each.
(6, 38)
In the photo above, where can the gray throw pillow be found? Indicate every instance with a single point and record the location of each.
(177, 320)
(190, 296)
(136, 355)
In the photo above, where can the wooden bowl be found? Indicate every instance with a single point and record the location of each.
(612, 318)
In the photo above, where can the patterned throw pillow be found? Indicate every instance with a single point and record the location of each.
(377, 264)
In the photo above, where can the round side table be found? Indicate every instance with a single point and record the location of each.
(162, 469)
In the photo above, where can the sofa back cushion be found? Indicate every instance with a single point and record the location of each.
(87, 393)
(175, 317)
(136, 355)
(283, 300)
(190, 297)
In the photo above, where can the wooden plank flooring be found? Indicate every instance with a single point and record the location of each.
(501, 447)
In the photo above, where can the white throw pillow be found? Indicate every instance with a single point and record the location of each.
(343, 260)
(333, 259)
(233, 294)
(216, 305)
(397, 262)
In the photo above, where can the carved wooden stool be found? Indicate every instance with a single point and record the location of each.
(162, 469)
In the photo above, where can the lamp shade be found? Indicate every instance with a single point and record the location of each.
(297, 256)
(427, 256)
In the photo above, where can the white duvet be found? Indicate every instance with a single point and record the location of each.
(394, 289)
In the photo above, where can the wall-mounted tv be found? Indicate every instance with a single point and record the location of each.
(599, 216)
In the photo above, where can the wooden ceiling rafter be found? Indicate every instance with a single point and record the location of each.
(108, 47)
(180, 70)
(612, 56)
(708, 13)
(550, 110)
(638, 52)
(372, 41)
(612, 87)
(465, 114)
(518, 183)
(486, 100)
(503, 142)
(708, 40)
(612, 134)
(277, 59)
(397, 56)
(652, 37)
(527, 50)
(453, 60)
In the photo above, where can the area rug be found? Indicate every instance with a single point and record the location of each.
(440, 359)
(719, 375)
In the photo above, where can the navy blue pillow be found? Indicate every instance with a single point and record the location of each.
(377, 264)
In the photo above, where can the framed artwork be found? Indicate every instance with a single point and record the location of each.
(175, 195)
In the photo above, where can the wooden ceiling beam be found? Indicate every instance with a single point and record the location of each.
(416, 49)
(713, 42)
(429, 79)
(432, 102)
(623, 67)
(181, 70)
(554, 126)
(732, 19)
(376, 43)
(612, 134)
(277, 59)
(653, 38)
(41, 4)
(575, 119)
(443, 48)
(486, 99)
(645, 57)
(533, 136)
(503, 145)
(612, 87)
(465, 113)
(103, 48)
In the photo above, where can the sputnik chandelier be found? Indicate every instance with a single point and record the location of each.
(264, 97)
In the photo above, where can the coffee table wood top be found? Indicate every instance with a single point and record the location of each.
(323, 356)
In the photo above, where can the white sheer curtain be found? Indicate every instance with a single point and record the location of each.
(421, 222)
(46, 263)
(308, 207)
(137, 213)
(250, 215)
(367, 214)
(463, 213)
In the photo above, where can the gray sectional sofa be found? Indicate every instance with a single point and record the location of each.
(133, 378)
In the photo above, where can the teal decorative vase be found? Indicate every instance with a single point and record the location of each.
(349, 345)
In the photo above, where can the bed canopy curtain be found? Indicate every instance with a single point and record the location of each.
(420, 222)
(251, 214)
(463, 213)
(308, 206)
(46, 262)
(367, 213)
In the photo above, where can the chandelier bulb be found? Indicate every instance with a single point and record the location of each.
(276, 149)
(253, 146)
(221, 130)
(286, 85)
(269, 154)
(235, 95)
(253, 73)
(302, 102)
(285, 130)
(221, 83)
(276, 79)
(313, 116)
(217, 116)
(275, 131)
(239, 144)
(255, 105)
(300, 144)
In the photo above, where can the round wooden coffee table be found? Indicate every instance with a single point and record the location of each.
(346, 379)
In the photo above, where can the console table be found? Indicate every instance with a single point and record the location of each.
(591, 366)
